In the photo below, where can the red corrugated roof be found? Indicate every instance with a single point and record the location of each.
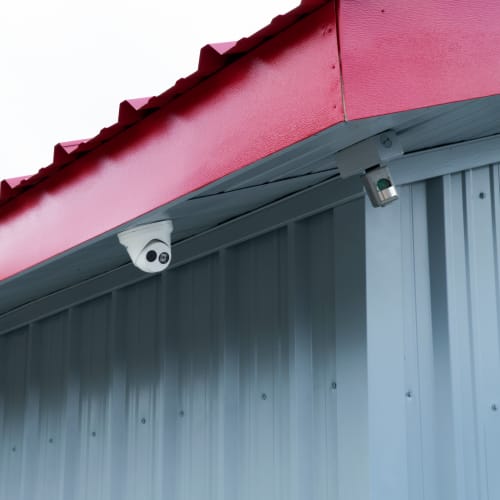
(212, 58)
(8, 185)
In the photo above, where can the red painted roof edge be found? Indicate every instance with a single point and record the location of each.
(8, 185)
(399, 55)
(213, 57)
(286, 90)
(13, 182)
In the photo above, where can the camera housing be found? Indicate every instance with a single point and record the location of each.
(379, 186)
(149, 245)
(370, 159)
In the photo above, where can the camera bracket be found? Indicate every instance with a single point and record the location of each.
(369, 159)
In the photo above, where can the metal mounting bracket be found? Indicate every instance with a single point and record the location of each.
(369, 159)
(372, 152)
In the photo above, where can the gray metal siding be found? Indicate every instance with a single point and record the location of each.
(433, 340)
(240, 375)
(353, 354)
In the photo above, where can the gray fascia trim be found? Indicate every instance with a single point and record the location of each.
(329, 194)
(408, 169)
(445, 160)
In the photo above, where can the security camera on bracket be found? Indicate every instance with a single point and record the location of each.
(369, 159)
(149, 245)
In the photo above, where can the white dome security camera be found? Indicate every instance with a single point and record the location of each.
(149, 245)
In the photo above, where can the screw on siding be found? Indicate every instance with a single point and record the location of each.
(482, 195)
(143, 420)
(94, 434)
(14, 449)
(181, 413)
(263, 396)
(51, 440)
(333, 386)
(409, 394)
(386, 141)
(494, 407)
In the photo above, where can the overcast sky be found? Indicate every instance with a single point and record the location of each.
(65, 66)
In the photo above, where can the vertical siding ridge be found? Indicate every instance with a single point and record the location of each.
(412, 330)
(456, 258)
(221, 488)
(495, 209)
(472, 288)
(25, 477)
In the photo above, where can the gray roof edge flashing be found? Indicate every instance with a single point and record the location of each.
(306, 203)
(462, 127)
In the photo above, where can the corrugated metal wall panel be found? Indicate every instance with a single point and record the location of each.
(241, 375)
(275, 368)
(472, 211)
(433, 341)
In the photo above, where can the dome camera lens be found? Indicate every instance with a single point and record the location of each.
(151, 256)
(163, 257)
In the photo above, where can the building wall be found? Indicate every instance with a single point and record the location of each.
(353, 354)
(239, 375)
(433, 350)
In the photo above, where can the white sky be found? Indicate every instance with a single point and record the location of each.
(65, 65)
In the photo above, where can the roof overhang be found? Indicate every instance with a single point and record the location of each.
(283, 98)
(275, 181)
(285, 90)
